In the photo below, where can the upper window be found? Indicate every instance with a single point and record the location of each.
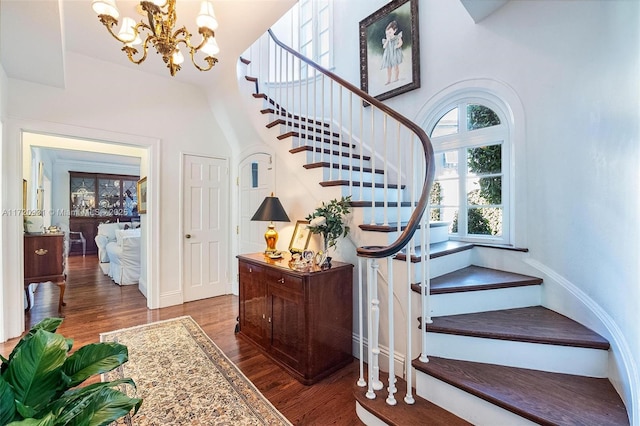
(470, 190)
(315, 31)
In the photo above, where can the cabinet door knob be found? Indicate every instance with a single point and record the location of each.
(269, 319)
(281, 280)
(187, 236)
(41, 252)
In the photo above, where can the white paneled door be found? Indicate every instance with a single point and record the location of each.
(257, 181)
(206, 245)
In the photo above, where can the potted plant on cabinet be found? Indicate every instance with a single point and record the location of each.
(328, 220)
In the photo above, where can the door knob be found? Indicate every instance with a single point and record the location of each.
(188, 236)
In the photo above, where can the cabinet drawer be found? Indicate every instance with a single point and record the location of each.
(284, 281)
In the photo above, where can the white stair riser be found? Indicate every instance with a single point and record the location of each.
(353, 176)
(469, 407)
(535, 356)
(384, 238)
(449, 263)
(485, 300)
(308, 157)
(376, 214)
(368, 194)
(368, 418)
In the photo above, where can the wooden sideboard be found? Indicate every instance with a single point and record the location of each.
(302, 320)
(44, 262)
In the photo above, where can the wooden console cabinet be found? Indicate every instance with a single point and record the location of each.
(301, 320)
(44, 262)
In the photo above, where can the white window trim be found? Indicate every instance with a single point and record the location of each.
(506, 103)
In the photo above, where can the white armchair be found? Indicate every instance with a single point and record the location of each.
(107, 234)
(124, 257)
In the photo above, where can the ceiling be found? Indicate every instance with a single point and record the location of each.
(35, 36)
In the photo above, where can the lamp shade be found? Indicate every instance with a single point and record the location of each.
(271, 211)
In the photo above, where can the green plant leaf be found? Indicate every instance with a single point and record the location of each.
(78, 397)
(7, 403)
(34, 372)
(99, 405)
(48, 324)
(47, 420)
(96, 358)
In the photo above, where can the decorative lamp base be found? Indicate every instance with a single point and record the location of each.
(271, 237)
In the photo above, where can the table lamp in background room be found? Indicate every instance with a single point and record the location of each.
(271, 211)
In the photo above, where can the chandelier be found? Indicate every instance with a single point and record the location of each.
(160, 33)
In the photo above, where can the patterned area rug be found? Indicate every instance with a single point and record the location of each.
(184, 378)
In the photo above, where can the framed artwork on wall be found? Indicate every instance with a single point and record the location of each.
(142, 195)
(390, 50)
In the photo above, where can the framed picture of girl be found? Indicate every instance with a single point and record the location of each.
(390, 50)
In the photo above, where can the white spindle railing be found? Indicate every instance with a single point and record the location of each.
(315, 104)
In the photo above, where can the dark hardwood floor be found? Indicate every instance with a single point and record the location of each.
(95, 304)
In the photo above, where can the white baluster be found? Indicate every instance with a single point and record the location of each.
(391, 400)
(407, 358)
(375, 315)
(370, 393)
(361, 381)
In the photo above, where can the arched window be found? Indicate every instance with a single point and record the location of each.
(471, 188)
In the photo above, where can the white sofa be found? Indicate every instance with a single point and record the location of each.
(124, 257)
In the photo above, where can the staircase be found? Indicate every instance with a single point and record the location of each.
(491, 353)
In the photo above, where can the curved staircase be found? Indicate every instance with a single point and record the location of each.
(496, 356)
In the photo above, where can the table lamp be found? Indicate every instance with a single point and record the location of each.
(272, 211)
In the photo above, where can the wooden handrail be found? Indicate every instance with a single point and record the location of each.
(414, 221)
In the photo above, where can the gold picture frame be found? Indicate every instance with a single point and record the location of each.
(142, 195)
(300, 237)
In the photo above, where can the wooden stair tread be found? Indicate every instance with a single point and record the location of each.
(422, 412)
(475, 278)
(535, 324)
(542, 397)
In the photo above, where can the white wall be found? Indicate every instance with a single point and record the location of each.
(574, 66)
(5, 303)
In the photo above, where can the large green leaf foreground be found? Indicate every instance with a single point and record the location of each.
(38, 382)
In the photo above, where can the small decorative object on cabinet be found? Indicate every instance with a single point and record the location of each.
(302, 320)
(44, 262)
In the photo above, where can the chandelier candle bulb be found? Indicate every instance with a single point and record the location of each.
(211, 48)
(127, 32)
(105, 7)
(207, 17)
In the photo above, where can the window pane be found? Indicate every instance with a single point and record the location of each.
(324, 19)
(485, 221)
(305, 12)
(324, 60)
(306, 33)
(130, 197)
(450, 214)
(446, 164)
(484, 159)
(479, 116)
(447, 125)
(324, 42)
(254, 175)
(484, 191)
